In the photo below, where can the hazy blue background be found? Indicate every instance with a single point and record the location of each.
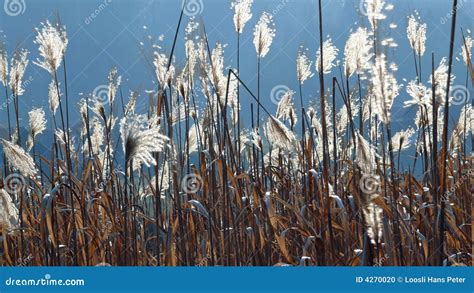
(112, 39)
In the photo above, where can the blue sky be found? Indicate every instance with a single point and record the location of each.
(107, 33)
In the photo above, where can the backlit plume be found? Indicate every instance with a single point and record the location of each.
(242, 13)
(263, 34)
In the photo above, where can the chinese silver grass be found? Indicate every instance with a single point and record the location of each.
(3, 65)
(374, 10)
(402, 140)
(53, 96)
(416, 33)
(52, 41)
(132, 102)
(97, 136)
(373, 219)
(141, 138)
(466, 50)
(114, 83)
(419, 93)
(357, 52)
(303, 66)
(18, 158)
(286, 108)
(278, 135)
(37, 123)
(365, 155)
(163, 74)
(463, 126)
(60, 136)
(384, 87)
(242, 13)
(441, 79)
(17, 71)
(330, 55)
(263, 34)
(8, 211)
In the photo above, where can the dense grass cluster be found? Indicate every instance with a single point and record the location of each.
(189, 182)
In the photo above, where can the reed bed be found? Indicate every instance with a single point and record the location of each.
(189, 183)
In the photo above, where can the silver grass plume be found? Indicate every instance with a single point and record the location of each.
(263, 34)
(53, 96)
(278, 135)
(374, 10)
(8, 211)
(385, 88)
(19, 158)
(114, 83)
(365, 155)
(3, 65)
(402, 140)
(357, 52)
(52, 41)
(419, 93)
(17, 71)
(141, 138)
(303, 66)
(37, 123)
(286, 108)
(60, 136)
(132, 102)
(163, 75)
(373, 218)
(242, 13)
(416, 33)
(441, 80)
(329, 58)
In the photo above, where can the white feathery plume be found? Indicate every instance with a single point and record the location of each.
(97, 136)
(385, 88)
(278, 135)
(3, 65)
(441, 79)
(357, 52)
(365, 155)
(330, 54)
(373, 218)
(303, 66)
(53, 96)
(163, 75)
(17, 71)
(114, 83)
(60, 136)
(286, 108)
(416, 33)
(402, 139)
(52, 41)
(19, 158)
(37, 122)
(263, 34)
(419, 93)
(141, 138)
(242, 13)
(132, 102)
(8, 211)
(374, 12)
